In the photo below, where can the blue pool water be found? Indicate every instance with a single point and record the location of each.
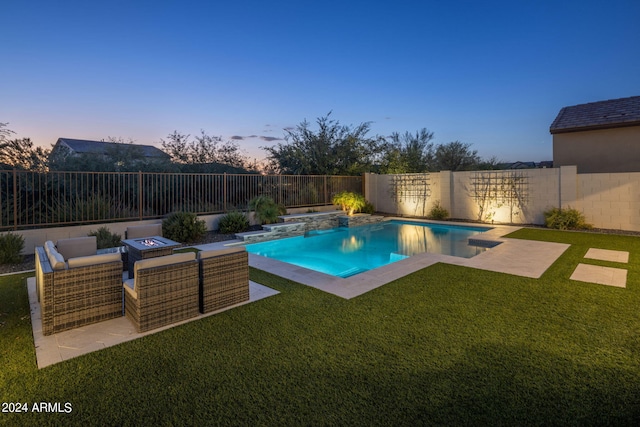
(344, 252)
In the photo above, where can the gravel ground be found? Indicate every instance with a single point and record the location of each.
(28, 262)
(214, 236)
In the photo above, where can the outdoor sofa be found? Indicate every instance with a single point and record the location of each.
(75, 285)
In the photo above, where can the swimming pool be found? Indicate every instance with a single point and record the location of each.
(344, 252)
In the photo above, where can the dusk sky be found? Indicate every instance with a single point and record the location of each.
(490, 73)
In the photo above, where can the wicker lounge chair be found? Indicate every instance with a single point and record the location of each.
(83, 289)
(164, 291)
(224, 278)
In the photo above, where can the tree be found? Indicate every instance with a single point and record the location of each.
(333, 149)
(20, 153)
(203, 150)
(456, 156)
(408, 153)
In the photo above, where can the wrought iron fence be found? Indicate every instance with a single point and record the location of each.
(33, 199)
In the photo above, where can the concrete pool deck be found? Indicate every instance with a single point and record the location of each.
(512, 256)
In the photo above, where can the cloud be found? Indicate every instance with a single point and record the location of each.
(237, 137)
(270, 138)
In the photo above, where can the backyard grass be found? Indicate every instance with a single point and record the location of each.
(446, 345)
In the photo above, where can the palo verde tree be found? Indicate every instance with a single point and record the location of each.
(456, 156)
(408, 153)
(205, 153)
(332, 149)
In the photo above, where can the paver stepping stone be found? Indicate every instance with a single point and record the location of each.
(601, 275)
(607, 255)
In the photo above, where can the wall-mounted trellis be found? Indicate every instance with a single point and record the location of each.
(495, 189)
(414, 188)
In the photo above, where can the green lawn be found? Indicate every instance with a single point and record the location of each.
(446, 345)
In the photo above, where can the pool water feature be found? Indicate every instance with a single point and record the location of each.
(344, 252)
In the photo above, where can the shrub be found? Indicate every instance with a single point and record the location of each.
(565, 219)
(349, 201)
(184, 227)
(10, 247)
(233, 222)
(105, 238)
(368, 208)
(438, 212)
(266, 209)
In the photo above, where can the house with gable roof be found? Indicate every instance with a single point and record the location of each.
(68, 146)
(598, 137)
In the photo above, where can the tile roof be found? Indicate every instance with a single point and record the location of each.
(100, 147)
(598, 115)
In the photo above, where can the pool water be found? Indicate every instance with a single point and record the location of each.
(344, 252)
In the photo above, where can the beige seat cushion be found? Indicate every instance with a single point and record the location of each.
(137, 231)
(93, 260)
(77, 247)
(220, 252)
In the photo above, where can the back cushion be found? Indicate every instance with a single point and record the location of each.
(77, 247)
(93, 260)
(162, 260)
(137, 231)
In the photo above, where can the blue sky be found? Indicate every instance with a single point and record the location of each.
(493, 74)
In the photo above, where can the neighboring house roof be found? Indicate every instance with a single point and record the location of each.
(84, 146)
(525, 165)
(613, 113)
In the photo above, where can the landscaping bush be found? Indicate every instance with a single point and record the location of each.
(266, 209)
(368, 208)
(349, 201)
(10, 247)
(233, 222)
(184, 227)
(105, 238)
(437, 212)
(565, 219)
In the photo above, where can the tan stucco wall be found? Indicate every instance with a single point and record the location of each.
(599, 151)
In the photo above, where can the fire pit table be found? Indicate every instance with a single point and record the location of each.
(148, 247)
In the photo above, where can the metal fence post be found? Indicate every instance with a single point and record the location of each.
(224, 192)
(15, 199)
(140, 194)
(326, 196)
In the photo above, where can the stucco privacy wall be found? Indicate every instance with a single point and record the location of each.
(607, 200)
(610, 198)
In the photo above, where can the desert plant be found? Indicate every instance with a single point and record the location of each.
(105, 238)
(184, 227)
(565, 219)
(10, 247)
(233, 222)
(266, 209)
(438, 212)
(349, 201)
(368, 208)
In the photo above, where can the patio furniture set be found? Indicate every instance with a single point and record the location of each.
(78, 285)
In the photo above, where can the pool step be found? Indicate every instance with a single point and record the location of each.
(351, 272)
